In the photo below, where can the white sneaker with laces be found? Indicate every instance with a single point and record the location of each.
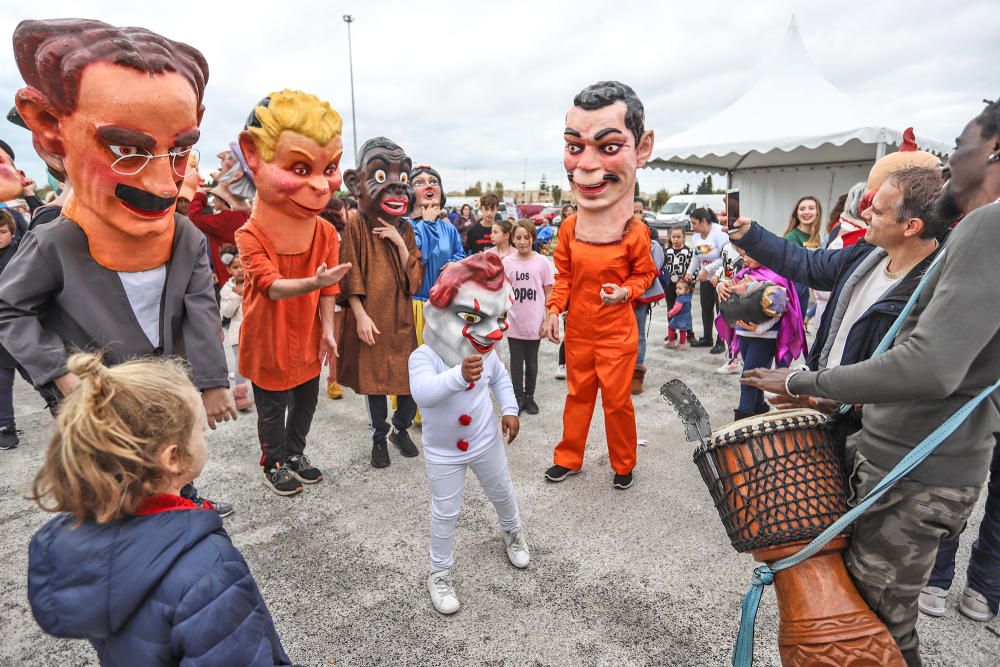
(728, 368)
(517, 548)
(561, 373)
(442, 590)
(974, 605)
(932, 600)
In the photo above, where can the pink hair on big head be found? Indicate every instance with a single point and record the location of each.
(485, 268)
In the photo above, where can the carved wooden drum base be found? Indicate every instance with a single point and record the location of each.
(824, 620)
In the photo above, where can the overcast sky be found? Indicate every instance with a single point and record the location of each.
(475, 89)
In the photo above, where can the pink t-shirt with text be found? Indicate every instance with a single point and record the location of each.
(529, 279)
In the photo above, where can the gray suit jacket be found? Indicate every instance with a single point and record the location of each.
(55, 299)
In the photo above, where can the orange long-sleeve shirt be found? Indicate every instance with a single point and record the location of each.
(583, 267)
(279, 340)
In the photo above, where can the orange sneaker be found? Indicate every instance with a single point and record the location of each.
(334, 390)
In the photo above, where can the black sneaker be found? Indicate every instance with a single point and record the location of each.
(530, 406)
(221, 508)
(8, 437)
(623, 481)
(559, 473)
(406, 445)
(718, 348)
(303, 470)
(520, 406)
(380, 455)
(280, 480)
(702, 342)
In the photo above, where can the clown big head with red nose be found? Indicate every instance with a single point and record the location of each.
(467, 310)
(606, 142)
(119, 108)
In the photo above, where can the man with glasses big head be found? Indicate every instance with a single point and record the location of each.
(117, 271)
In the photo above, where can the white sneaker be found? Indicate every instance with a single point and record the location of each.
(932, 601)
(442, 590)
(974, 605)
(561, 373)
(728, 368)
(517, 548)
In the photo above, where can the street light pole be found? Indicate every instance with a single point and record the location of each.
(348, 19)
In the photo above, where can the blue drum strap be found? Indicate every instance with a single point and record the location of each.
(764, 574)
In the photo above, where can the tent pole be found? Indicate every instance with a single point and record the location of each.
(729, 179)
(880, 150)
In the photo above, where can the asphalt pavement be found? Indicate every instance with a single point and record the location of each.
(639, 577)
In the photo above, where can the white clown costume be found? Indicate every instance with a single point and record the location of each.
(465, 315)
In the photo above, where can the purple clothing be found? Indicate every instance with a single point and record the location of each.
(791, 341)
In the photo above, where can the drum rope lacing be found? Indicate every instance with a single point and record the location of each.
(764, 574)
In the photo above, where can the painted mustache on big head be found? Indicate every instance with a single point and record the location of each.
(606, 177)
(141, 200)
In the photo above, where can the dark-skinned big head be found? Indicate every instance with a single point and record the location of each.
(381, 182)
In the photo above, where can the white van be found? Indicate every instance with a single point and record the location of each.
(678, 209)
(508, 209)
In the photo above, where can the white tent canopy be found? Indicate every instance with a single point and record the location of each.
(790, 135)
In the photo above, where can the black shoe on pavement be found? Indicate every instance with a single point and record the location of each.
(280, 480)
(520, 406)
(8, 437)
(530, 406)
(702, 342)
(559, 473)
(380, 455)
(406, 445)
(718, 348)
(303, 470)
(624, 481)
(221, 508)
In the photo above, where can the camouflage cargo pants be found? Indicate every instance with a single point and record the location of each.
(895, 543)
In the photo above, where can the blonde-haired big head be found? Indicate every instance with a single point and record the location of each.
(292, 145)
(292, 111)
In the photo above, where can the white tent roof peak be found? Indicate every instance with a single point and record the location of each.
(791, 107)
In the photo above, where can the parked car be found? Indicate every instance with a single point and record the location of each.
(550, 212)
(529, 210)
(678, 209)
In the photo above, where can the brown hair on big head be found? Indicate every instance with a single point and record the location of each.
(52, 55)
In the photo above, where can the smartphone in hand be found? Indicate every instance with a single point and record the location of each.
(732, 207)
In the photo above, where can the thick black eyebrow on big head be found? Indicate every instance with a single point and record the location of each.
(573, 133)
(605, 132)
(123, 136)
(189, 138)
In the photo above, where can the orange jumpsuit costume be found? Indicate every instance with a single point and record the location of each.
(602, 342)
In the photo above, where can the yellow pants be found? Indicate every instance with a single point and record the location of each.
(418, 324)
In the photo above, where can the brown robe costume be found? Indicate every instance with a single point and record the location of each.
(385, 288)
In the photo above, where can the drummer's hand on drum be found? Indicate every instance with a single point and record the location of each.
(771, 380)
(783, 401)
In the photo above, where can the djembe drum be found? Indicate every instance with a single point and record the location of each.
(778, 480)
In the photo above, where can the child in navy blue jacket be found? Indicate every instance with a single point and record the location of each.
(147, 576)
